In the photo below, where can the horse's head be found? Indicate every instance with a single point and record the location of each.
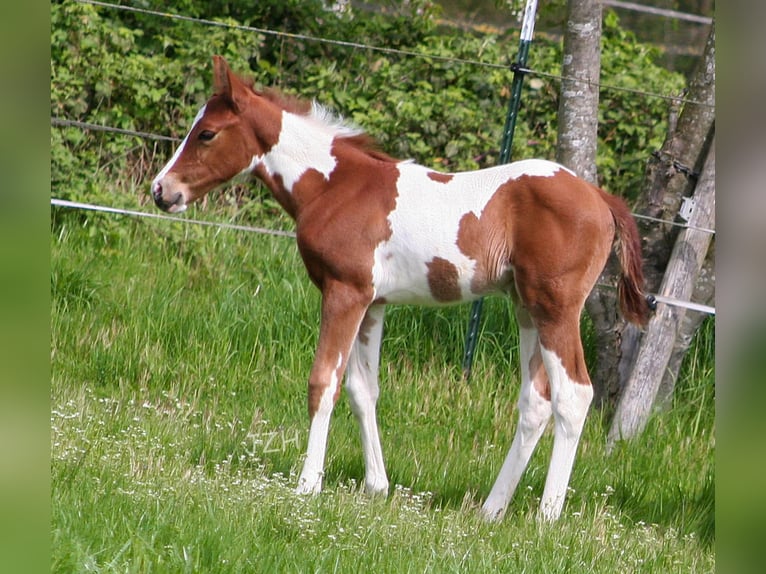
(218, 147)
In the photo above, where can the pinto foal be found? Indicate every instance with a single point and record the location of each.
(373, 230)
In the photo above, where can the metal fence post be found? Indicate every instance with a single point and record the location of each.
(519, 69)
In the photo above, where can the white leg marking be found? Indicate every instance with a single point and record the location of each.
(570, 401)
(534, 412)
(310, 480)
(362, 387)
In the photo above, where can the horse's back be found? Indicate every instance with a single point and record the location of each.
(455, 237)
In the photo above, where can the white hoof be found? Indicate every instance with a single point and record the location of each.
(491, 513)
(309, 486)
(377, 486)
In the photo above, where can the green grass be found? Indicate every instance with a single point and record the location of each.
(178, 424)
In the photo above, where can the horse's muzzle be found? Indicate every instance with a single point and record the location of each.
(173, 204)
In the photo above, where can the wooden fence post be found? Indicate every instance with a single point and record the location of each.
(656, 345)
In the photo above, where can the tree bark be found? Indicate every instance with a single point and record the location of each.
(656, 348)
(670, 171)
(578, 103)
(704, 292)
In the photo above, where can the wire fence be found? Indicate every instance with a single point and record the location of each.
(665, 13)
(118, 211)
(64, 122)
(386, 50)
(60, 122)
(282, 233)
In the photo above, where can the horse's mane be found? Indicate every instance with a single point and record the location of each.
(350, 134)
(287, 102)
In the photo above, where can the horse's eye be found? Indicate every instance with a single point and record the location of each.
(205, 135)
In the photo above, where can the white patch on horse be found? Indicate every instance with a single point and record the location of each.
(305, 142)
(536, 167)
(534, 412)
(425, 225)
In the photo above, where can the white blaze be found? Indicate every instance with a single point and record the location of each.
(179, 150)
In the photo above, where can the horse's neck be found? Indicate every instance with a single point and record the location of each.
(303, 145)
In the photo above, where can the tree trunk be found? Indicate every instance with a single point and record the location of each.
(657, 344)
(669, 178)
(704, 292)
(578, 104)
(670, 171)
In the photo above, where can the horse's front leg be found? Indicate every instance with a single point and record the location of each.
(342, 311)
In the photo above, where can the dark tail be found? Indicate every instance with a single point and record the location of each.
(630, 288)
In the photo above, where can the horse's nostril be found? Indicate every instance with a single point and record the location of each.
(157, 190)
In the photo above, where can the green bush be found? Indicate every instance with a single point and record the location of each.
(148, 73)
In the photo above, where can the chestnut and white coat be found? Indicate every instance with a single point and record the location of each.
(373, 231)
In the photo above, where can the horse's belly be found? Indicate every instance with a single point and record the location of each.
(424, 277)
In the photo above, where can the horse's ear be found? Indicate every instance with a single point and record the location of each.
(224, 81)
(221, 82)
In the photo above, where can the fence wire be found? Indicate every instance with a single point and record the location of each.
(61, 122)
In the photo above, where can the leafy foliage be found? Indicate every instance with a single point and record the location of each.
(149, 73)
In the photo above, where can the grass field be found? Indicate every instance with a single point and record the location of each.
(178, 424)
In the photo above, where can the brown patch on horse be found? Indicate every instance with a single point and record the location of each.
(558, 251)
(440, 177)
(314, 398)
(483, 239)
(366, 144)
(340, 228)
(237, 95)
(443, 280)
(339, 376)
(558, 339)
(364, 329)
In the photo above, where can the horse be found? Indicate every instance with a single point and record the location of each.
(375, 231)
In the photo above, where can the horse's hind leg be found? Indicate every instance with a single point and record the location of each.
(571, 394)
(534, 411)
(362, 387)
